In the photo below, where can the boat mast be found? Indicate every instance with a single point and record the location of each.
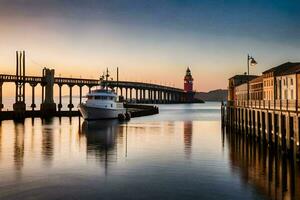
(117, 77)
(106, 79)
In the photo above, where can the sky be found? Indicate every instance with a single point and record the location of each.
(150, 40)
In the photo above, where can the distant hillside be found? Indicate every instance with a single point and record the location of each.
(214, 95)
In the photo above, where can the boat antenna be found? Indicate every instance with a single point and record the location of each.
(117, 76)
(107, 75)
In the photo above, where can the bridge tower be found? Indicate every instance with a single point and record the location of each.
(188, 85)
(48, 107)
(19, 105)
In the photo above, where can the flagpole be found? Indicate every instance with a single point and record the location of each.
(248, 79)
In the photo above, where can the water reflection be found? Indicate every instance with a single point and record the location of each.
(19, 146)
(47, 142)
(100, 139)
(188, 135)
(272, 173)
(145, 158)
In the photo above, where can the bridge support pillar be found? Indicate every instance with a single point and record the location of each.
(121, 91)
(70, 106)
(150, 96)
(1, 103)
(33, 96)
(19, 106)
(80, 93)
(141, 95)
(136, 95)
(43, 92)
(159, 96)
(48, 107)
(60, 101)
(126, 93)
(154, 96)
(130, 94)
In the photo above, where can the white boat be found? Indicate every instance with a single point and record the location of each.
(101, 104)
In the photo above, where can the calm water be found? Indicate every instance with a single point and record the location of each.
(179, 154)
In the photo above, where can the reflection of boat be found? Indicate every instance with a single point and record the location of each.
(101, 104)
(100, 135)
(98, 126)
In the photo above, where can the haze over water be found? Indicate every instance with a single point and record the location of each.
(180, 153)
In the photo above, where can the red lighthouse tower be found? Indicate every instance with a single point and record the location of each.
(188, 86)
(188, 81)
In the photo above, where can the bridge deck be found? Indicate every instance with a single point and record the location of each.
(140, 85)
(89, 82)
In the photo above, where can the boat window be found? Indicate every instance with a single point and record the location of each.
(101, 97)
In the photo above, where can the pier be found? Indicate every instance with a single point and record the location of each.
(132, 92)
(278, 128)
(266, 107)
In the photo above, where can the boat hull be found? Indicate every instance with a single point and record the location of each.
(93, 113)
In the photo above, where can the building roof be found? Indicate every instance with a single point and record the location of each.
(240, 79)
(188, 73)
(242, 76)
(284, 69)
(257, 80)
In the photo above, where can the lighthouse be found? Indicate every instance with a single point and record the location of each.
(188, 81)
(188, 85)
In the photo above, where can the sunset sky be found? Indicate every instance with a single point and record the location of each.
(150, 40)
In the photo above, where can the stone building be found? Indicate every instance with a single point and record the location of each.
(271, 83)
(256, 88)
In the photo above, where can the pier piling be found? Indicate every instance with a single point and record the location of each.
(275, 128)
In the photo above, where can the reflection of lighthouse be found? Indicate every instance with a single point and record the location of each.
(188, 85)
(187, 137)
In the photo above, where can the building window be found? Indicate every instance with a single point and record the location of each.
(292, 81)
(285, 94)
(292, 94)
